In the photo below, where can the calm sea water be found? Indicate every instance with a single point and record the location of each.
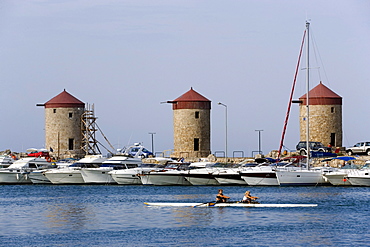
(49, 215)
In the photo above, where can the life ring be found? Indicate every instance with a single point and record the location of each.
(48, 159)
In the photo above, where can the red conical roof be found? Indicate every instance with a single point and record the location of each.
(191, 100)
(322, 95)
(64, 99)
(192, 95)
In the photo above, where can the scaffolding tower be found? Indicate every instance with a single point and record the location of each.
(89, 143)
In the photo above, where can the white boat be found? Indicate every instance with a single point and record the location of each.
(72, 173)
(18, 172)
(339, 176)
(264, 174)
(312, 177)
(38, 176)
(360, 177)
(130, 174)
(108, 171)
(172, 174)
(201, 173)
(211, 204)
(230, 175)
(308, 176)
(5, 161)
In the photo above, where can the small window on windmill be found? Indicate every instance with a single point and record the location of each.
(70, 144)
(70, 115)
(196, 144)
(332, 110)
(54, 110)
(197, 114)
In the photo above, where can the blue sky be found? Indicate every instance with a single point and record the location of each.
(126, 57)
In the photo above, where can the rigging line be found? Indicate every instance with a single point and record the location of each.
(104, 137)
(103, 147)
(291, 96)
(316, 47)
(315, 51)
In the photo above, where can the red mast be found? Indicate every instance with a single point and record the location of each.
(291, 97)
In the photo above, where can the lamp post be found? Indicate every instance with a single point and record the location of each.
(152, 133)
(259, 141)
(225, 127)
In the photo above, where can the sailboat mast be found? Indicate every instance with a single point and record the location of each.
(307, 94)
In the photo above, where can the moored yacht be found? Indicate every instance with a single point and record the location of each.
(339, 176)
(360, 177)
(72, 174)
(5, 161)
(18, 172)
(103, 174)
(304, 177)
(172, 174)
(201, 173)
(264, 174)
(231, 174)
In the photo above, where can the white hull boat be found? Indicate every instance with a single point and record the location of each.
(261, 178)
(127, 176)
(169, 177)
(360, 178)
(173, 174)
(211, 204)
(302, 177)
(229, 177)
(97, 175)
(201, 176)
(38, 177)
(18, 172)
(339, 178)
(72, 174)
(65, 176)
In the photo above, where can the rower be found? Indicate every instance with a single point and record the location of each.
(248, 198)
(221, 197)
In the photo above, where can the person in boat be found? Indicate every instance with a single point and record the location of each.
(248, 198)
(221, 197)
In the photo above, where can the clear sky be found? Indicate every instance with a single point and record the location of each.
(126, 57)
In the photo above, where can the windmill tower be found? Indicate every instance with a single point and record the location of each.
(192, 125)
(63, 134)
(325, 116)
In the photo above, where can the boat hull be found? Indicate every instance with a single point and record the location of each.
(65, 177)
(359, 181)
(38, 177)
(260, 178)
(7, 177)
(246, 205)
(164, 178)
(301, 178)
(126, 176)
(97, 176)
(338, 179)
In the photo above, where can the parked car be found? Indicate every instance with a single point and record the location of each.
(145, 153)
(314, 146)
(359, 148)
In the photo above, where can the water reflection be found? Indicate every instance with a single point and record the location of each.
(188, 217)
(74, 216)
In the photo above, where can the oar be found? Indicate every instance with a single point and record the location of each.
(211, 204)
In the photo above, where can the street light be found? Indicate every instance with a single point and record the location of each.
(152, 133)
(259, 141)
(225, 127)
